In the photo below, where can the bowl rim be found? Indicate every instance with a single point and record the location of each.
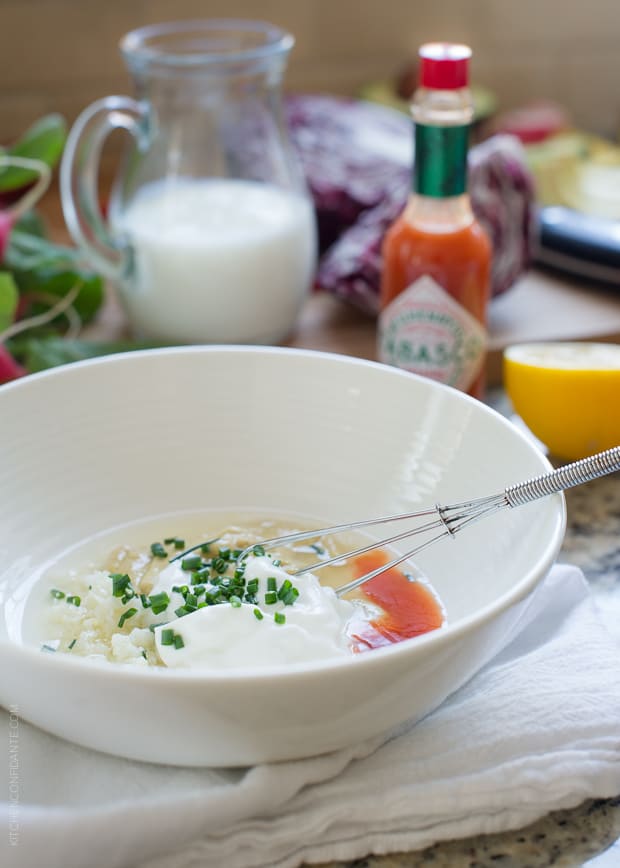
(440, 637)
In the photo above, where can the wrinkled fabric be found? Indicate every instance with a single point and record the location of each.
(534, 731)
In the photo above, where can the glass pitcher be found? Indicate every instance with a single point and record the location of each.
(210, 235)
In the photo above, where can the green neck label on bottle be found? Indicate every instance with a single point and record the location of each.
(440, 167)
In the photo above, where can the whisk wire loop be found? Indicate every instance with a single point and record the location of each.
(449, 520)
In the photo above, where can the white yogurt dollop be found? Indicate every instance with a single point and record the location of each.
(226, 637)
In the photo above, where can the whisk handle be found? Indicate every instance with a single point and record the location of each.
(565, 477)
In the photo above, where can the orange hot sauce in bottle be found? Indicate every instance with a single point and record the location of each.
(436, 256)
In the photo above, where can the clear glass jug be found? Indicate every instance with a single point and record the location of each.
(210, 235)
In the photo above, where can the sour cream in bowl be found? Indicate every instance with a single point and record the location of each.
(104, 460)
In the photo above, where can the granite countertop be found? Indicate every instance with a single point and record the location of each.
(589, 834)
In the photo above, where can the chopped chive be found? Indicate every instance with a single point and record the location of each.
(178, 641)
(175, 541)
(191, 600)
(277, 563)
(192, 563)
(290, 597)
(259, 551)
(258, 615)
(167, 637)
(120, 583)
(271, 583)
(199, 575)
(74, 600)
(252, 587)
(57, 595)
(271, 598)
(153, 627)
(159, 602)
(279, 618)
(158, 551)
(126, 615)
(127, 597)
(235, 602)
(285, 587)
(47, 648)
(145, 601)
(71, 644)
(219, 565)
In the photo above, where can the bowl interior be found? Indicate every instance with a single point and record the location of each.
(119, 439)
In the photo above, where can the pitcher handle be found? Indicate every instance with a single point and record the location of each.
(79, 176)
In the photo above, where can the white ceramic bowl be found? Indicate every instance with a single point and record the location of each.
(109, 441)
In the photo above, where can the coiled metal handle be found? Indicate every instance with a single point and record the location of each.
(564, 477)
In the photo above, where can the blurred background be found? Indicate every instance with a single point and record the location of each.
(59, 55)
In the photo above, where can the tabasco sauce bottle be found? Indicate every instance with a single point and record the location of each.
(436, 272)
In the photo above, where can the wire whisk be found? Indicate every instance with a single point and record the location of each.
(449, 520)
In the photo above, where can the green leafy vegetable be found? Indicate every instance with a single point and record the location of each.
(44, 141)
(39, 353)
(9, 297)
(42, 268)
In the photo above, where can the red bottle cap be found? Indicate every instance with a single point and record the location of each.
(444, 65)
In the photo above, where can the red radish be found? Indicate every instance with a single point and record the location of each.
(533, 122)
(6, 224)
(9, 369)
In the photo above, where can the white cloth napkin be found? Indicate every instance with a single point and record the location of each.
(536, 730)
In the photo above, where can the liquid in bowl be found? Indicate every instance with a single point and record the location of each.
(81, 601)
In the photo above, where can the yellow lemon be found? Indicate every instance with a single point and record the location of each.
(568, 394)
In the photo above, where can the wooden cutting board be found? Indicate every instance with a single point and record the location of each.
(540, 307)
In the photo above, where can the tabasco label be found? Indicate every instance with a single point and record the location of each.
(425, 331)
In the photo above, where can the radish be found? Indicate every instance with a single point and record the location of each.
(9, 368)
(6, 224)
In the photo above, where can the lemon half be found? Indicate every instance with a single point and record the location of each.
(568, 394)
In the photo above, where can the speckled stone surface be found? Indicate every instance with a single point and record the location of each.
(588, 835)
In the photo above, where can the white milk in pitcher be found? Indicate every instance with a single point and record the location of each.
(217, 260)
